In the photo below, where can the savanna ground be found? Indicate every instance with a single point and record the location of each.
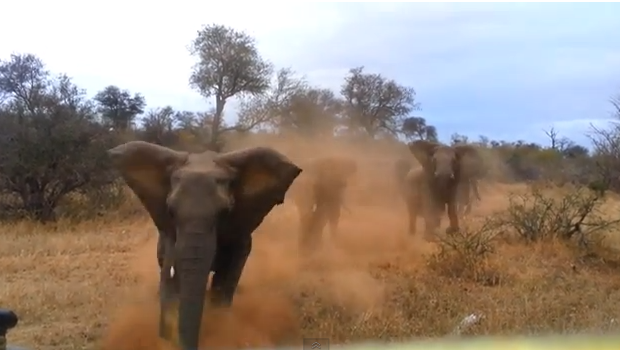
(93, 285)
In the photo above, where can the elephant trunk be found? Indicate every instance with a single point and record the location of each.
(444, 187)
(195, 251)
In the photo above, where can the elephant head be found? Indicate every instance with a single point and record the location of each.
(332, 173)
(199, 201)
(445, 165)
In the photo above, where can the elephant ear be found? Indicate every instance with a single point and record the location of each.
(263, 176)
(469, 160)
(146, 168)
(423, 151)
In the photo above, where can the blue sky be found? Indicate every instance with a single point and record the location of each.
(505, 70)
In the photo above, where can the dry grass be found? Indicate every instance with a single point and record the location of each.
(92, 285)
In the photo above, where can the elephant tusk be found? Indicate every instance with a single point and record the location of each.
(314, 208)
(172, 272)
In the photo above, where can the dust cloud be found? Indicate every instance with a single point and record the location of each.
(268, 309)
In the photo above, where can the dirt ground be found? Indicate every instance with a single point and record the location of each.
(93, 285)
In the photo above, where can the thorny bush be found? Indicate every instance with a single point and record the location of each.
(465, 254)
(546, 213)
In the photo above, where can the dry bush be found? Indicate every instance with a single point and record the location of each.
(466, 254)
(545, 212)
(92, 202)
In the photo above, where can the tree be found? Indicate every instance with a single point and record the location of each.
(265, 109)
(311, 112)
(575, 151)
(228, 65)
(291, 104)
(415, 128)
(606, 154)
(159, 126)
(118, 107)
(376, 104)
(557, 143)
(50, 140)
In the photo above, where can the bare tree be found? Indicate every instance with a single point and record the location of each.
(375, 103)
(265, 109)
(118, 107)
(291, 104)
(606, 155)
(559, 144)
(615, 102)
(229, 65)
(159, 126)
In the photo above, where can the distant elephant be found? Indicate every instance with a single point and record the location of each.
(468, 186)
(319, 196)
(441, 182)
(205, 207)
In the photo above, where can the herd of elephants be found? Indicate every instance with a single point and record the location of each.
(206, 206)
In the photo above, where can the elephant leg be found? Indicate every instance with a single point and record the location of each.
(306, 217)
(466, 205)
(412, 211)
(474, 189)
(307, 235)
(432, 219)
(316, 225)
(453, 217)
(228, 265)
(463, 198)
(467, 209)
(431, 224)
(334, 218)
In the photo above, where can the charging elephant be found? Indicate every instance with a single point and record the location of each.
(205, 207)
(319, 196)
(466, 188)
(441, 182)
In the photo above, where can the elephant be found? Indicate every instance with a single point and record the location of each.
(319, 196)
(465, 190)
(444, 180)
(205, 207)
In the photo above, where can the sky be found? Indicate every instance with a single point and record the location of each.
(504, 70)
